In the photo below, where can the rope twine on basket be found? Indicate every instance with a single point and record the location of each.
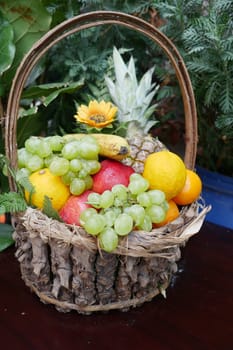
(138, 244)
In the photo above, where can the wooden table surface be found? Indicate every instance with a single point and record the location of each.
(197, 313)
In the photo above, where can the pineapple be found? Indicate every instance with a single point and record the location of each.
(133, 100)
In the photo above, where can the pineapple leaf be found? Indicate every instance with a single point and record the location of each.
(111, 88)
(145, 82)
(119, 65)
(150, 111)
(132, 98)
(145, 86)
(147, 100)
(149, 125)
(132, 72)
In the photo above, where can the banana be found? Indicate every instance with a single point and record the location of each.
(111, 146)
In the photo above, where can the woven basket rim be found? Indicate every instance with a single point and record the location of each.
(156, 243)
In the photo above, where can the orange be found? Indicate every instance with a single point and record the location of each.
(47, 184)
(2, 218)
(172, 214)
(191, 190)
(165, 171)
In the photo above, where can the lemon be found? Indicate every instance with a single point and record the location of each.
(165, 171)
(47, 184)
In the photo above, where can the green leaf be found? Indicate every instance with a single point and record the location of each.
(70, 89)
(31, 111)
(42, 90)
(7, 52)
(6, 239)
(49, 92)
(49, 210)
(29, 20)
(26, 184)
(29, 125)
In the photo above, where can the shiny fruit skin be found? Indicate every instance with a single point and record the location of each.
(171, 214)
(191, 190)
(111, 146)
(111, 173)
(165, 171)
(75, 205)
(47, 184)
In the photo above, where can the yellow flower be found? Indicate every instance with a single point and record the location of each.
(96, 114)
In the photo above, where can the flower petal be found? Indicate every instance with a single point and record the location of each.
(97, 114)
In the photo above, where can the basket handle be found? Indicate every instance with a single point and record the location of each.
(82, 22)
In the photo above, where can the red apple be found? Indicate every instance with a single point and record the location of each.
(74, 206)
(111, 173)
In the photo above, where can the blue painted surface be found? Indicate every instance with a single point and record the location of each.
(218, 191)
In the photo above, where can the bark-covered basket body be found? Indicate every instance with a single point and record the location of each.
(61, 263)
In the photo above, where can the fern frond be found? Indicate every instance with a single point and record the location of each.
(12, 202)
(225, 121)
(228, 56)
(226, 98)
(191, 38)
(211, 93)
(199, 65)
(222, 5)
(193, 7)
(166, 92)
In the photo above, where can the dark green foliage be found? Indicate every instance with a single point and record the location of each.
(208, 44)
(61, 10)
(177, 15)
(203, 34)
(139, 7)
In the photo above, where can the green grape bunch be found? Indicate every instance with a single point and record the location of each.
(75, 161)
(117, 212)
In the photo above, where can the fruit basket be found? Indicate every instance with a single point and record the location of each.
(63, 264)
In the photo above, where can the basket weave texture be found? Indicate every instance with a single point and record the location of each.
(61, 263)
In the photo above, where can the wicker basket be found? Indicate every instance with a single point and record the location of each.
(61, 263)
